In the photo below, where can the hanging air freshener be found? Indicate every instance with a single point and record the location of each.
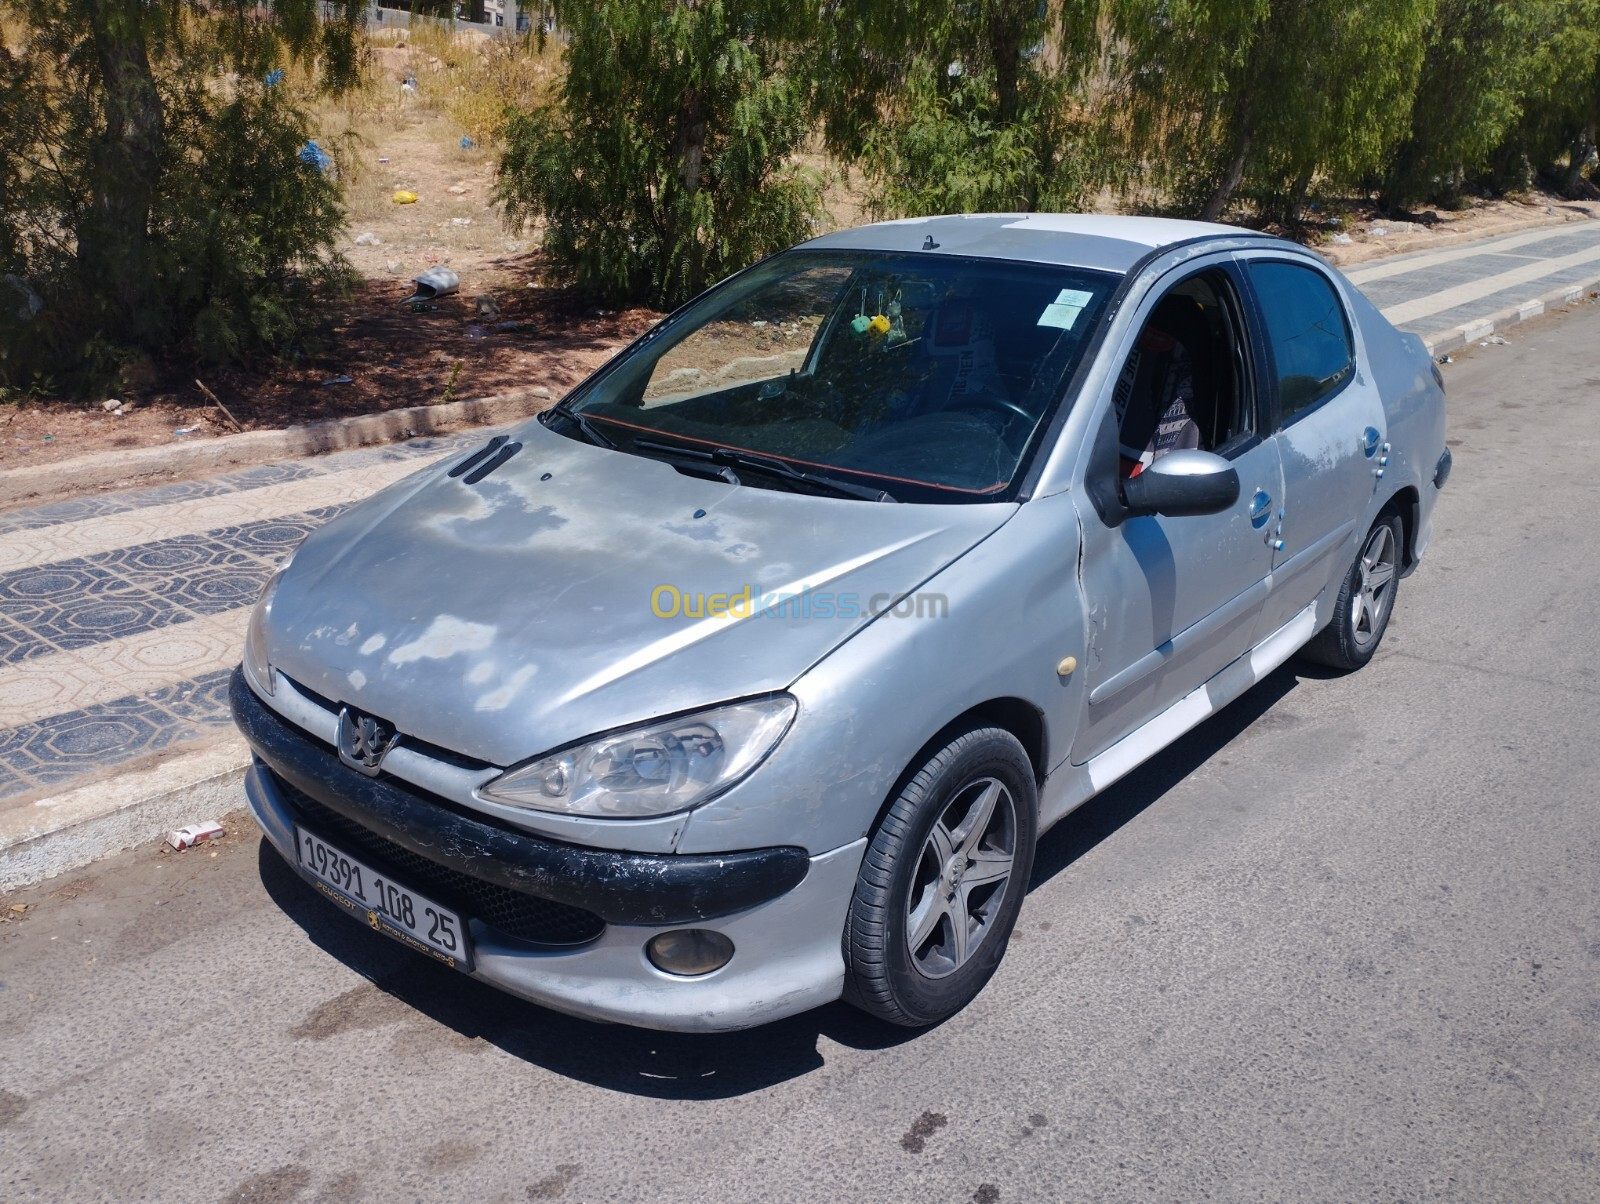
(897, 325)
(860, 322)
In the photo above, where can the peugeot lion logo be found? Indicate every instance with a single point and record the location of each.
(364, 741)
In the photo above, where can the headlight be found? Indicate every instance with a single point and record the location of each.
(256, 666)
(652, 770)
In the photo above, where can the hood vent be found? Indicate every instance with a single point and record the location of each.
(485, 460)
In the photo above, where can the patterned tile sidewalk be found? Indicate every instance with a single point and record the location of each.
(1434, 292)
(122, 615)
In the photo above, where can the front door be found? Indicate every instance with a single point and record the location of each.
(1171, 601)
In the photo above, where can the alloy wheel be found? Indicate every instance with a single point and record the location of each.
(1370, 601)
(961, 877)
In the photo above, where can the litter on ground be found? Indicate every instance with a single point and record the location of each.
(435, 282)
(183, 838)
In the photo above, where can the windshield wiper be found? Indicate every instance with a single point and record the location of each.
(731, 458)
(585, 425)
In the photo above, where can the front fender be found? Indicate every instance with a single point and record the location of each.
(995, 624)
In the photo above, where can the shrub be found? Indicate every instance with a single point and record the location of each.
(665, 163)
(153, 201)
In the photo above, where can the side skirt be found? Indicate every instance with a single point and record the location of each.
(1070, 786)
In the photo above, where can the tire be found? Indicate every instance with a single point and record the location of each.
(1365, 602)
(938, 858)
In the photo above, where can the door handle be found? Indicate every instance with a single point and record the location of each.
(1260, 508)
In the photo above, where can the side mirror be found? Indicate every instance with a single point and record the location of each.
(1183, 482)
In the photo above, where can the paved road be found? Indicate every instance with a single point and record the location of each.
(1343, 943)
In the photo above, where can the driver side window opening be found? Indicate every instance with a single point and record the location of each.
(1186, 382)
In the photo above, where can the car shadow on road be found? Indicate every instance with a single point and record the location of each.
(719, 1065)
(1123, 801)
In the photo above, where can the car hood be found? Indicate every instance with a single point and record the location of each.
(509, 617)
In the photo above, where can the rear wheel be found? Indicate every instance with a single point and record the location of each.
(1365, 602)
(942, 881)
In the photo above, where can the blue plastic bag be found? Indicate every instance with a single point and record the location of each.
(317, 157)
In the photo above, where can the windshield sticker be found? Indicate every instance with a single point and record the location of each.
(1064, 310)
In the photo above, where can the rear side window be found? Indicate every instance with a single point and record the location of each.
(1308, 332)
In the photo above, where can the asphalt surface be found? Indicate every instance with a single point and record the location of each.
(1341, 943)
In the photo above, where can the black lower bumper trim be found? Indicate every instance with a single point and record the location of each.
(621, 888)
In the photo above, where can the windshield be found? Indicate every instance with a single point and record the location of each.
(928, 376)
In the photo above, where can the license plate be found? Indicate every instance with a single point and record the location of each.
(392, 909)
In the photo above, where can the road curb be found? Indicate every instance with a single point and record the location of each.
(39, 483)
(42, 839)
(1467, 333)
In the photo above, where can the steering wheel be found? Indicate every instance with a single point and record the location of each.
(995, 401)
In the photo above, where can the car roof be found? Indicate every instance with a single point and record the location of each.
(1099, 241)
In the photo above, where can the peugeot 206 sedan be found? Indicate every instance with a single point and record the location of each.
(747, 677)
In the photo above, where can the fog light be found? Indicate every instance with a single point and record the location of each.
(689, 952)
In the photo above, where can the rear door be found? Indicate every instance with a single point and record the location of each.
(1328, 423)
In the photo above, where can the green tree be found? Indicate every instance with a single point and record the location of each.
(1561, 111)
(667, 160)
(151, 190)
(1475, 72)
(1263, 98)
(958, 108)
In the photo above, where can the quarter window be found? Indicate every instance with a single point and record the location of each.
(1309, 335)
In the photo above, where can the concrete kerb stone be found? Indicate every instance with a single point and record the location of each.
(50, 836)
(36, 484)
(1461, 336)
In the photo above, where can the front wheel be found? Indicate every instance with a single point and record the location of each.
(942, 881)
(1365, 602)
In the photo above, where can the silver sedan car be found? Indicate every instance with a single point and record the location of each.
(748, 676)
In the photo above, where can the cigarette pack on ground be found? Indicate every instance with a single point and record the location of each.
(182, 838)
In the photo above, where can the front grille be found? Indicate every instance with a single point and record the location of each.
(524, 917)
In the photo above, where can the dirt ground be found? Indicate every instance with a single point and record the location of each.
(380, 354)
(1372, 237)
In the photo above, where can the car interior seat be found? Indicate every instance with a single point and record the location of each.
(1177, 334)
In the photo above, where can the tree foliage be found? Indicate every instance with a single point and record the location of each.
(958, 108)
(667, 160)
(152, 197)
(1561, 110)
(1475, 71)
(1261, 98)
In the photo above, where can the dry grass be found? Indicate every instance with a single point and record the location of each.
(476, 81)
(387, 136)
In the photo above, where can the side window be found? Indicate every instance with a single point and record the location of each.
(1308, 332)
(1185, 383)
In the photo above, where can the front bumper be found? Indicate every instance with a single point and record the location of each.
(783, 911)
